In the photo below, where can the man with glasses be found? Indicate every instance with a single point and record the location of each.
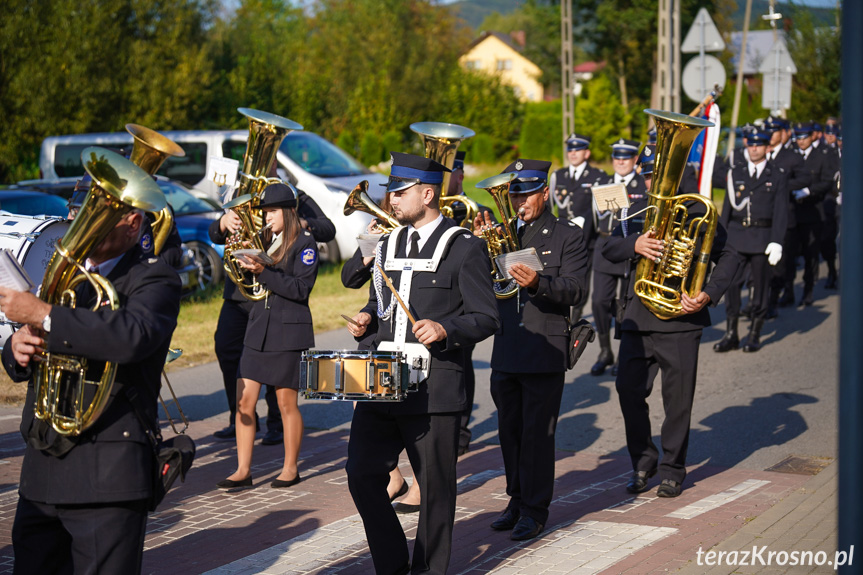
(529, 358)
(443, 277)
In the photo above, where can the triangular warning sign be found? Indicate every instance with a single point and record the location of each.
(703, 33)
(778, 57)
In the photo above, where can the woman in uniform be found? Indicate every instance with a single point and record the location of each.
(279, 330)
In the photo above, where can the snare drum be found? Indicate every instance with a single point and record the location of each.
(354, 375)
(31, 240)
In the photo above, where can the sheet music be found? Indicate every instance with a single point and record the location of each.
(222, 170)
(367, 243)
(526, 256)
(256, 255)
(12, 275)
(610, 197)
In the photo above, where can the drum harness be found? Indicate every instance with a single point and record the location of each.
(418, 356)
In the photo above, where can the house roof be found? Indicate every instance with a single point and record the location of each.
(758, 45)
(588, 67)
(505, 38)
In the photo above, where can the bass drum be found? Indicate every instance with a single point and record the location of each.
(31, 240)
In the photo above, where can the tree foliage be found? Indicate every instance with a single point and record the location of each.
(817, 52)
(601, 116)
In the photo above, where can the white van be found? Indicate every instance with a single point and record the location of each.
(316, 166)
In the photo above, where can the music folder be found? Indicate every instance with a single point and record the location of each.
(526, 256)
(610, 197)
(12, 275)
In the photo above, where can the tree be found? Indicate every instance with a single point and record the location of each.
(601, 115)
(817, 51)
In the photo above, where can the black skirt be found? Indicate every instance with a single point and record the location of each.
(276, 368)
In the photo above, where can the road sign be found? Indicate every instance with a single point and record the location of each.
(700, 75)
(703, 36)
(776, 98)
(778, 58)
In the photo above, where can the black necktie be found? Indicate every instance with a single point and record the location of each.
(520, 234)
(415, 245)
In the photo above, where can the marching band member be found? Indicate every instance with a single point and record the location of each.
(280, 328)
(530, 354)
(444, 277)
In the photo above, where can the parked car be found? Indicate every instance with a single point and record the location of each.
(313, 164)
(31, 202)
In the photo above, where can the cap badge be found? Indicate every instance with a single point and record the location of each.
(519, 165)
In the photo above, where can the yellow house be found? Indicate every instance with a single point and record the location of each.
(496, 53)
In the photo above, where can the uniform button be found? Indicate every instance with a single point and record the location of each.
(521, 324)
(434, 281)
(126, 434)
(67, 344)
(457, 344)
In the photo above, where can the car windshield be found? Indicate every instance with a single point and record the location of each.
(33, 205)
(182, 201)
(319, 157)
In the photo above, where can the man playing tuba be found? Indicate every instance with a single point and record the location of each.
(84, 498)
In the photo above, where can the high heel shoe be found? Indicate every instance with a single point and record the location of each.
(279, 483)
(402, 490)
(233, 484)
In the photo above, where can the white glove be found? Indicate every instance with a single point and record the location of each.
(800, 194)
(773, 253)
(579, 221)
(839, 199)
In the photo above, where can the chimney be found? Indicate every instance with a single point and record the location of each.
(518, 37)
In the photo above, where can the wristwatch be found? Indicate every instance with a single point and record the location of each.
(46, 323)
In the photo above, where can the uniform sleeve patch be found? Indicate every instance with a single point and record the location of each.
(309, 256)
(146, 243)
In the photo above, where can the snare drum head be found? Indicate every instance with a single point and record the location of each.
(31, 240)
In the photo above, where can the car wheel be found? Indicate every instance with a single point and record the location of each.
(329, 251)
(209, 262)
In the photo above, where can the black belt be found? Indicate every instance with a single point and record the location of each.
(755, 223)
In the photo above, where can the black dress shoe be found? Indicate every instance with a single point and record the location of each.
(668, 488)
(526, 528)
(614, 369)
(229, 432)
(402, 490)
(808, 298)
(787, 300)
(462, 449)
(272, 437)
(279, 483)
(638, 482)
(406, 508)
(232, 484)
(506, 521)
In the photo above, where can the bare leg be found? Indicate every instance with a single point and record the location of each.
(395, 483)
(412, 497)
(292, 421)
(247, 397)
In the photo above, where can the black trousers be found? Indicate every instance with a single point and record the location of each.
(759, 275)
(641, 356)
(230, 333)
(464, 433)
(605, 289)
(80, 539)
(804, 239)
(377, 438)
(527, 409)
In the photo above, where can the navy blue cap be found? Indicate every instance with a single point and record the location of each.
(623, 149)
(458, 163)
(758, 138)
(408, 170)
(816, 127)
(531, 175)
(281, 195)
(772, 124)
(647, 158)
(651, 136)
(577, 142)
(831, 129)
(803, 128)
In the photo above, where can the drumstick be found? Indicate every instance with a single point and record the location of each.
(350, 320)
(396, 294)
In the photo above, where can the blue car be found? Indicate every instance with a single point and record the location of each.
(193, 217)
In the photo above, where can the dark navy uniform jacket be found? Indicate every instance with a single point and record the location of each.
(817, 165)
(637, 191)
(534, 337)
(576, 197)
(459, 296)
(796, 177)
(620, 248)
(765, 219)
(283, 321)
(113, 459)
(321, 227)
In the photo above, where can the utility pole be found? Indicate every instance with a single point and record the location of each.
(668, 55)
(567, 96)
(738, 89)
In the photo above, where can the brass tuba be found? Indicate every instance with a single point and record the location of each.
(441, 142)
(266, 132)
(118, 187)
(359, 200)
(149, 152)
(501, 238)
(659, 285)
